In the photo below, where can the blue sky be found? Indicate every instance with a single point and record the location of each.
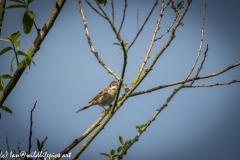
(201, 123)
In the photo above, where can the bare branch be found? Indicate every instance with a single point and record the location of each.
(200, 47)
(201, 66)
(139, 31)
(94, 8)
(175, 9)
(33, 49)
(42, 144)
(2, 5)
(30, 134)
(91, 45)
(124, 14)
(8, 145)
(112, 3)
(137, 19)
(211, 85)
(189, 80)
(84, 135)
(19, 148)
(151, 44)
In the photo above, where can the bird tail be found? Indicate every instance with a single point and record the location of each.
(87, 106)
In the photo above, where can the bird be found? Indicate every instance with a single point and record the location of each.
(104, 98)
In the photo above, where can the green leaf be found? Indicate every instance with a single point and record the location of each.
(119, 149)
(180, 5)
(29, 1)
(31, 14)
(1, 84)
(27, 23)
(125, 44)
(104, 154)
(18, 1)
(6, 109)
(24, 64)
(102, 2)
(25, 55)
(14, 36)
(112, 152)
(5, 50)
(38, 144)
(16, 6)
(4, 39)
(117, 44)
(121, 140)
(11, 66)
(6, 76)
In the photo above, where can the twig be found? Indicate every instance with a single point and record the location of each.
(2, 5)
(189, 80)
(200, 47)
(19, 148)
(42, 144)
(201, 66)
(139, 31)
(124, 14)
(137, 20)
(85, 134)
(211, 85)
(93, 8)
(112, 3)
(9, 151)
(150, 46)
(150, 121)
(175, 9)
(167, 30)
(30, 134)
(33, 49)
(161, 51)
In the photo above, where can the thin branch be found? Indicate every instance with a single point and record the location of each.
(175, 9)
(151, 45)
(2, 5)
(189, 80)
(201, 66)
(33, 49)
(90, 42)
(124, 14)
(112, 3)
(211, 85)
(94, 8)
(30, 134)
(167, 30)
(201, 44)
(42, 144)
(85, 134)
(8, 146)
(137, 20)
(139, 31)
(18, 147)
(150, 121)
(161, 51)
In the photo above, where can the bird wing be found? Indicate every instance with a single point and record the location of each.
(102, 93)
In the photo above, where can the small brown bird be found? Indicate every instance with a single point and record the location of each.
(104, 98)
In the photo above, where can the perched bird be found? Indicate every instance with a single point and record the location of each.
(104, 98)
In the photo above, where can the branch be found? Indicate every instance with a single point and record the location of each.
(162, 50)
(150, 121)
(189, 80)
(2, 5)
(139, 31)
(200, 47)
(94, 8)
(30, 134)
(32, 51)
(151, 45)
(85, 134)
(175, 9)
(9, 151)
(211, 85)
(124, 14)
(112, 3)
